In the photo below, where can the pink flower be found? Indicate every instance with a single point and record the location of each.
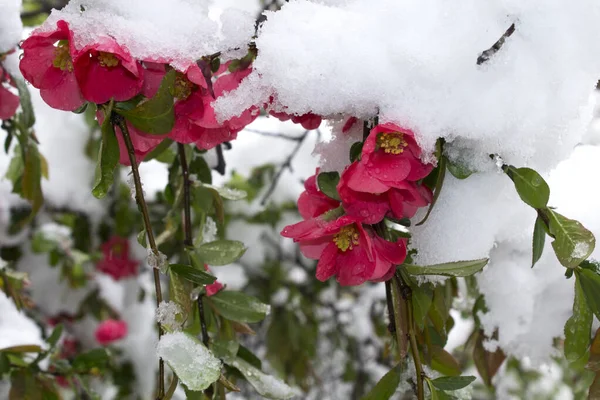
(9, 102)
(312, 202)
(213, 288)
(401, 201)
(390, 155)
(143, 143)
(349, 124)
(106, 70)
(195, 116)
(308, 121)
(47, 63)
(110, 330)
(116, 261)
(347, 249)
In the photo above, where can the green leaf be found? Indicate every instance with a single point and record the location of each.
(158, 150)
(25, 348)
(31, 186)
(539, 239)
(439, 182)
(27, 114)
(155, 116)
(108, 156)
(240, 307)
(4, 364)
(192, 274)
(452, 382)
(194, 364)
(487, 363)
(459, 171)
(456, 268)
(96, 358)
(386, 387)
(573, 243)
(590, 286)
(55, 335)
(444, 362)
(220, 252)
(530, 185)
(578, 328)
(422, 297)
(200, 168)
(436, 394)
(267, 386)
(224, 348)
(355, 151)
(327, 183)
(179, 292)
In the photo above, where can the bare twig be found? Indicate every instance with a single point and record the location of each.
(287, 164)
(487, 54)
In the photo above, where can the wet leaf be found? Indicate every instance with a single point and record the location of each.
(220, 252)
(573, 243)
(327, 183)
(386, 387)
(240, 307)
(539, 239)
(192, 274)
(108, 156)
(452, 382)
(531, 187)
(579, 326)
(456, 268)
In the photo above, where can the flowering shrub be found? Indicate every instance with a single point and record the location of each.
(416, 207)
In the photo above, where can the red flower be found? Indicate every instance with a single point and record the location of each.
(195, 116)
(401, 201)
(312, 202)
(349, 124)
(390, 155)
(9, 102)
(110, 330)
(213, 288)
(47, 63)
(106, 70)
(309, 121)
(143, 143)
(347, 249)
(116, 261)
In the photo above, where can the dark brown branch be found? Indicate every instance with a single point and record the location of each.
(487, 54)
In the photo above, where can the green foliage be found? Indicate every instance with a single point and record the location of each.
(459, 171)
(439, 182)
(573, 243)
(155, 116)
(455, 269)
(327, 183)
(192, 274)
(452, 382)
(108, 156)
(579, 326)
(238, 306)
(539, 239)
(530, 185)
(220, 252)
(386, 387)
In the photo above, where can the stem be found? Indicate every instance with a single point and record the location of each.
(406, 294)
(187, 215)
(390, 307)
(139, 195)
(202, 320)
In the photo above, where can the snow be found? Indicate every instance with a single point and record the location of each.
(10, 24)
(157, 30)
(16, 329)
(415, 64)
(193, 363)
(167, 315)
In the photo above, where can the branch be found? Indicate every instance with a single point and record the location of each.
(487, 54)
(187, 228)
(287, 164)
(406, 294)
(139, 195)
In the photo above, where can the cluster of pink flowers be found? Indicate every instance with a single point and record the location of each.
(116, 261)
(344, 235)
(9, 101)
(68, 77)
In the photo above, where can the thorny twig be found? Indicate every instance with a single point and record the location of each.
(487, 54)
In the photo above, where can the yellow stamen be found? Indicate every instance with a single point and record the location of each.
(183, 86)
(62, 57)
(346, 238)
(392, 142)
(107, 60)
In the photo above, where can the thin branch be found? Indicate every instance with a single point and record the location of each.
(487, 54)
(406, 293)
(139, 195)
(221, 165)
(287, 164)
(187, 228)
(275, 135)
